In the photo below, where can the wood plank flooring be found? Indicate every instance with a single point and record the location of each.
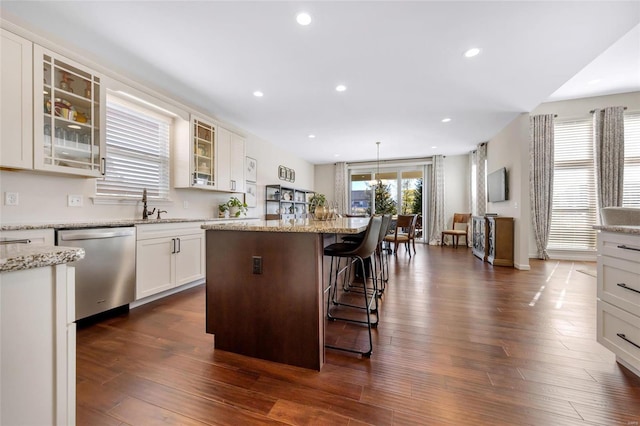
(459, 342)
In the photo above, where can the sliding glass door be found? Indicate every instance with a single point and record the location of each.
(398, 190)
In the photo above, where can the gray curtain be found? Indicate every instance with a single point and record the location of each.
(481, 179)
(541, 179)
(473, 161)
(340, 188)
(608, 136)
(436, 200)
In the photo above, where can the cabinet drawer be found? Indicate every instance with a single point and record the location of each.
(619, 283)
(620, 332)
(623, 246)
(162, 230)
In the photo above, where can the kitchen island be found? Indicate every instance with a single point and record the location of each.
(265, 285)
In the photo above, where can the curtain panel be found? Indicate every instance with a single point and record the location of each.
(541, 178)
(481, 179)
(608, 136)
(436, 200)
(340, 188)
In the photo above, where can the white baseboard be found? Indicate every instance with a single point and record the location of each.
(522, 267)
(165, 293)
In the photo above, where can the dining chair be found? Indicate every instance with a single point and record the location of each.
(462, 220)
(405, 232)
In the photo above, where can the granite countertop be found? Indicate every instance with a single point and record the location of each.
(337, 226)
(16, 257)
(109, 223)
(623, 229)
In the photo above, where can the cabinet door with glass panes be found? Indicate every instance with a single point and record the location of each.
(69, 111)
(203, 164)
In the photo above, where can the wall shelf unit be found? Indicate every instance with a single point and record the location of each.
(285, 202)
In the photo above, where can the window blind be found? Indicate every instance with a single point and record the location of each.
(631, 190)
(574, 188)
(137, 154)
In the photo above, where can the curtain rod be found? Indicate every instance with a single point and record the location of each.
(593, 110)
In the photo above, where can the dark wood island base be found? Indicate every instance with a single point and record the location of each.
(277, 314)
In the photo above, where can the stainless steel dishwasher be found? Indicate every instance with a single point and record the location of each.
(106, 277)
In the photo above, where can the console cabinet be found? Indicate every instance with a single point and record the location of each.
(618, 317)
(479, 236)
(493, 239)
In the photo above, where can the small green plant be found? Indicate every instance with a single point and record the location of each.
(223, 207)
(318, 199)
(236, 207)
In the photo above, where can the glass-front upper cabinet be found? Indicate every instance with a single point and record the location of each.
(204, 144)
(69, 103)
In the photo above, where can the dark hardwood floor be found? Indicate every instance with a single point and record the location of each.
(459, 342)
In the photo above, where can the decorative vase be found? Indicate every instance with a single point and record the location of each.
(321, 212)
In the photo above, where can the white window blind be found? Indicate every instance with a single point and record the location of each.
(137, 154)
(574, 188)
(631, 193)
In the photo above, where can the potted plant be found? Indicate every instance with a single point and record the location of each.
(222, 210)
(318, 206)
(236, 207)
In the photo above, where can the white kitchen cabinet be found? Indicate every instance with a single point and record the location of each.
(231, 154)
(619, 296)
(194, 154)
(167, 256)
(69, 116)
(37, 346)
(35, 236)
(16, 102)
(207, 156)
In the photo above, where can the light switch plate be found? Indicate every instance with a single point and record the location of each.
(11, 199)
(74, 200)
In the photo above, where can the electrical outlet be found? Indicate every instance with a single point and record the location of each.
(11, 199)
(185, 204)
(257, 265)
(74, 200)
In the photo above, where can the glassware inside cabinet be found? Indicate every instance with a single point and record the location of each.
(71, 111)
(203, 153)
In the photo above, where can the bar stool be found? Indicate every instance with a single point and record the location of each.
(382, 257)
(354, 253)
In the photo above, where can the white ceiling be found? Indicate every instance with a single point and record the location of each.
(402, 63)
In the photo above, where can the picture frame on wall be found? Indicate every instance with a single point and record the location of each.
(251, 193)
(251, 169)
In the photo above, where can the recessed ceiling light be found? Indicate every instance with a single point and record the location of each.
(341, 88)
(303, 18)
(446, 120)
(336, 155)
(434, 147)
(595, 81)
(258, 94)
(472, 52)
(312, 136)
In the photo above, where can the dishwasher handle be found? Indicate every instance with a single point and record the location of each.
(95, 234)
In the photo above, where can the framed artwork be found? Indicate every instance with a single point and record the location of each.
(250, 194)
(282, 173)
(252, 169)
(285, 173)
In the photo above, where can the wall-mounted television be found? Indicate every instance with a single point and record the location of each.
(498, 186)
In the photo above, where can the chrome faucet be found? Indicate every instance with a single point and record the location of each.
(145, 212)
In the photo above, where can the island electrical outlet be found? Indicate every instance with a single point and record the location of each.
(257, 264)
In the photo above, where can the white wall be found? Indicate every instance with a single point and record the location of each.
(325, 175)
(456, 187)
(507, 149)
